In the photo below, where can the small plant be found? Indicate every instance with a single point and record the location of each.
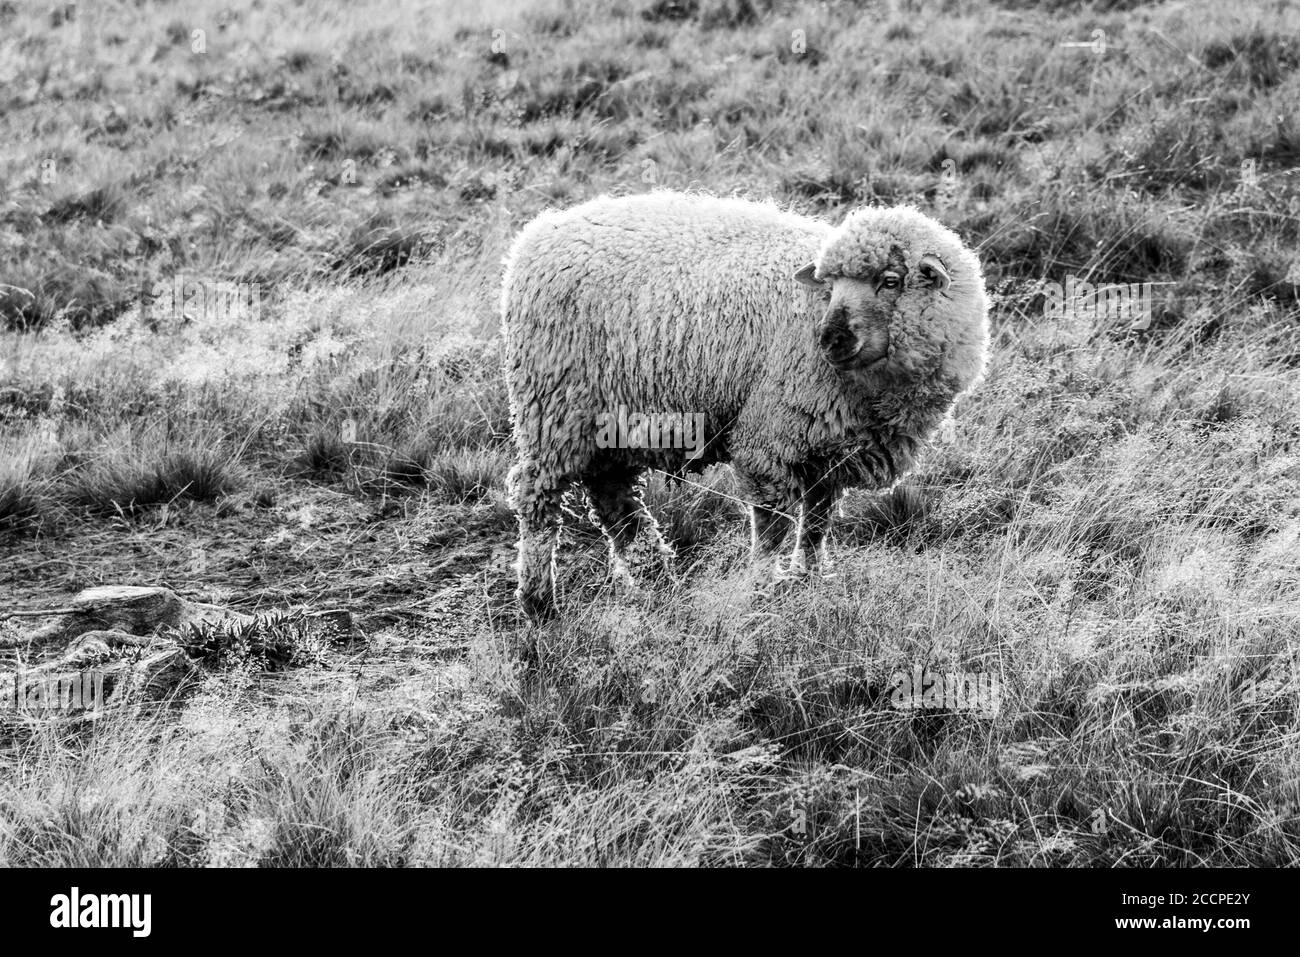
(272, 642)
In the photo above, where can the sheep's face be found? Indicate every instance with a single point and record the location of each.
(854, 332)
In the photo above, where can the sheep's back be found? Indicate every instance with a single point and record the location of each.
(663, 302)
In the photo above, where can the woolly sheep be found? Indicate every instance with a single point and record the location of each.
(820, 358)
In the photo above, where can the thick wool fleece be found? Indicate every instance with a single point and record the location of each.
(685, 303)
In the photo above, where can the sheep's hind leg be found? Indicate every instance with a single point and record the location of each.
(537, 505)
(633, 534)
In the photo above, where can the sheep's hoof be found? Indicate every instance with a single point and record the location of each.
(780, 587)
(661, 571)
(654, 558)
(819, 567)
(786, 576)
(789, 570)
(625, 583)
(644, 561)
(538, 606)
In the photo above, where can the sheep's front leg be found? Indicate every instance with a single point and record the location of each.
(772, 526)
(769, 528)
(818, 508)
(773, 514)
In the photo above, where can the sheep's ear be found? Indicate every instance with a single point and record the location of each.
(805, 276)
(933, 274)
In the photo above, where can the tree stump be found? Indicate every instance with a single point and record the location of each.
(55, 688)
(129, 609)
(120, 643)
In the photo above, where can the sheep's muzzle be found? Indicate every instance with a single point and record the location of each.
(843, 349)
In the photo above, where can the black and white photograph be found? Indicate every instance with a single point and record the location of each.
(650, 434)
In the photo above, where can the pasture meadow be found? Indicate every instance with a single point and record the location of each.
(1109, 539)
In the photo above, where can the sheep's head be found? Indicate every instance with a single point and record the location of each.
(904, 301)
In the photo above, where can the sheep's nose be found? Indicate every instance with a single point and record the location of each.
(835, 329)
(838, 344)
(832, 335)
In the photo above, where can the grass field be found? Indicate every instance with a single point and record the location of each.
(1111, 537)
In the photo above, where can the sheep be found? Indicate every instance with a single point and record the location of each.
(820, 358)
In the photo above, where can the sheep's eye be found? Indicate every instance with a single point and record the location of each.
(890, 280)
